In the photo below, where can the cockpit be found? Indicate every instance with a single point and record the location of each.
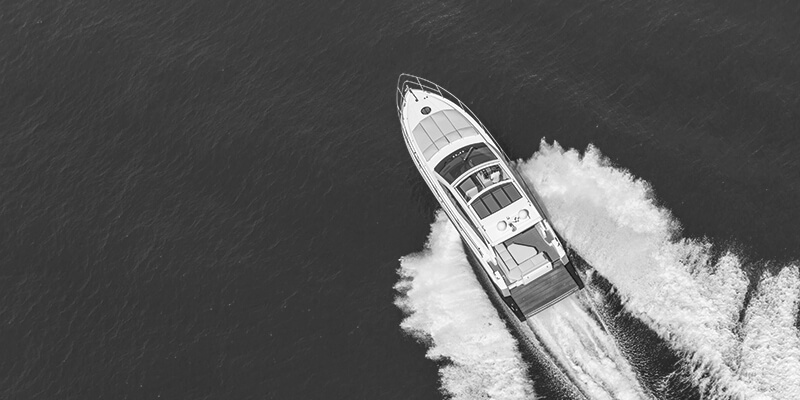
(487, 190)
(477, 182)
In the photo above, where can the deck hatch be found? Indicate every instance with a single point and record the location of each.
(440, 129)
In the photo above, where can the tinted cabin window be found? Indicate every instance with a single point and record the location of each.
(462, 160)
(495, 199)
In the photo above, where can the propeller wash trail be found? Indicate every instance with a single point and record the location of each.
(447, 308)
(585, 350)
(610, 219)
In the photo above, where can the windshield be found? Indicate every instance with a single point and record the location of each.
(462, 160)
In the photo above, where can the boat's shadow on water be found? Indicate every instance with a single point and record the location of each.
(657, 367)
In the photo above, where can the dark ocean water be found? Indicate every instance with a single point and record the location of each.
(208, 199)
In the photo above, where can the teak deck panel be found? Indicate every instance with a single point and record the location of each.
(545, 290)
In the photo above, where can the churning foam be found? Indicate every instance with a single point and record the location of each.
(447, 307)
(611, 220)
(770, 346)
(586, 351)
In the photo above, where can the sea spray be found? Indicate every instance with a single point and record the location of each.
(691, 300)
(585, 350)
(771, 346)
(448, 309)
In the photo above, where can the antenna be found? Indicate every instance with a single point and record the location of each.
(466, 156)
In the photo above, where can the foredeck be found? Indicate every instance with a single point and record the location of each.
(440, 129)
(545, 290)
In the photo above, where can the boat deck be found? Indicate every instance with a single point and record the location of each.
(484, 196)
(545, 290)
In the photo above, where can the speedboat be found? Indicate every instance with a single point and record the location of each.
(497, 214)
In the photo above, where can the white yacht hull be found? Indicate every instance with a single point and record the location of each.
(497, 215)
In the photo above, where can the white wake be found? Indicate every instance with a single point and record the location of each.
(611, 220)
(673, 285)
(447, 307)
(585, 350)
